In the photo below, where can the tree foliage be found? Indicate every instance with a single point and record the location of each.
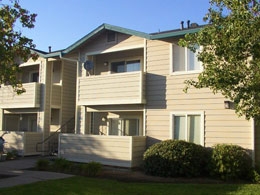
(13, 45)
(230, 53)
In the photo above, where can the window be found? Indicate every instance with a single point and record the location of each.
(184, 60)
(34, 77)
(124, 127)
(125, 66)
(111, 36)
(188, 127)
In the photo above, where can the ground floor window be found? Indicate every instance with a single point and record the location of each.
(124, 127)
(188, 126)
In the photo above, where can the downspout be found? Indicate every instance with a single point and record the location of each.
(76, 110)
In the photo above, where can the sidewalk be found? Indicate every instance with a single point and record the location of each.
(15, 172)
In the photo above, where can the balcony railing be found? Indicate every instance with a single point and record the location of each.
(28, 99)
(119, 88)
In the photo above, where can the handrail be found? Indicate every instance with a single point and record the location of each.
(52, 135)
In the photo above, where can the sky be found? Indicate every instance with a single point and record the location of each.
(60, 23)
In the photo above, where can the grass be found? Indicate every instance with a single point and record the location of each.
(84, 185)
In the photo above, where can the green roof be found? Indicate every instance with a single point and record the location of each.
(105, 27)
(95, 32)
(175, 33)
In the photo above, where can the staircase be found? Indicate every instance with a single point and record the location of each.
(51, 143)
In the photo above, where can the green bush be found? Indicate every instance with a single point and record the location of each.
(230, 162)
(62, 165)
(91, 169)
(174, 158)
(42, 164)
(12, 155)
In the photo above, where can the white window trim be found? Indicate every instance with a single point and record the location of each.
(181, 113)
(185, 72)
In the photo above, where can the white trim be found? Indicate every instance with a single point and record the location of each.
(202, 123)
(185, 72)
(30, 64)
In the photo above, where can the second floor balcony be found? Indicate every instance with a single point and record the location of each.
(110, 89)
(28, 99)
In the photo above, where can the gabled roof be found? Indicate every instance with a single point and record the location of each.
(101, 28)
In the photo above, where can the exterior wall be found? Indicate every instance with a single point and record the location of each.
(68, 91)
(124, 42)
(165, 95)
(23, 142)
(56, 96)
(108, 150)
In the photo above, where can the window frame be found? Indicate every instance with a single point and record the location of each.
(186, 114)
(123, 133)
(108, 34)
(138, 58)
(186, 71)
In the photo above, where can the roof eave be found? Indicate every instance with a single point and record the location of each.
(175, 34)
(103, 27)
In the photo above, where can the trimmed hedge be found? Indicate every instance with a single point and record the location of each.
(230, 162)
(174, 158)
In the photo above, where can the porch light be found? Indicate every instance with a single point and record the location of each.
(104, 119)
(106, 63)
(227, 104)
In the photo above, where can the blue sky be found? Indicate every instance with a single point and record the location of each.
(62, 22)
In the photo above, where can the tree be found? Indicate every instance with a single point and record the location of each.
(13, 44)
(230, 53)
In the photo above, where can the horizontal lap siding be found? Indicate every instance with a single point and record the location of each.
(68, 91)
(165, 95)
(108, 150)
(107, 89)
(30, 141)
(123, 42)
(29, 99)
(138, 149)
(56, 96)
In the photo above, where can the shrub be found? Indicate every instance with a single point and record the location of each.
(230, 162)
(91, 169)
(42, 164)
(62, 165)
(173, 158)
(12, 155)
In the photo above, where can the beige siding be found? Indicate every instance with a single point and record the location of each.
(68, 91)
(165, 95)
(124, 42)
(123, 88)
(108, 150)
(29, 99)
(23, 142)
(56, 96)
(30, 141)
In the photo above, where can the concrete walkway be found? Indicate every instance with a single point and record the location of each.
(15, 172)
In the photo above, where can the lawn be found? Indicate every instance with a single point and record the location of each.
(85, 185)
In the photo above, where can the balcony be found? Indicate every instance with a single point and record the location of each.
(119, 88)
(29, 99)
